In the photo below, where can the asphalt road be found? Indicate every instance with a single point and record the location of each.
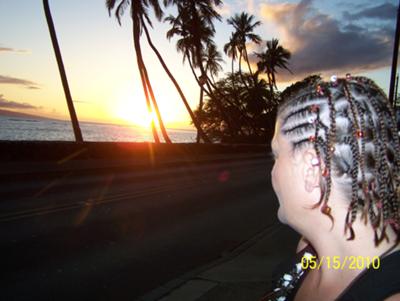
(117, 234)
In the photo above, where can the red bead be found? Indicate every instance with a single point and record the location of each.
(326, 209)
(359, 134)
(311, 138)
(320, 91)
(314, 108)
(372, 185)
(325, 172)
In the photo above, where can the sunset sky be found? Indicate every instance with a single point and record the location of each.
(326, 37)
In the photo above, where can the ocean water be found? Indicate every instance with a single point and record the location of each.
(27, 129)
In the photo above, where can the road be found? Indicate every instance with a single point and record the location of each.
(116, 234)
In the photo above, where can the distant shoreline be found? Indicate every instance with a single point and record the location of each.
(8, 113)
(14, 114)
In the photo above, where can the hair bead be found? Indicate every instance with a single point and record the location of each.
(320, 91)
(315, 162)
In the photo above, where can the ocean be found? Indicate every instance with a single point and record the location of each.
(31, 129)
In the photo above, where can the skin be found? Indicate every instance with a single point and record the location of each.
(295, 180)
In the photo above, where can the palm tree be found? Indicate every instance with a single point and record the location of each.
(139, 15)
(231, 49)
(274, 57)
(244, 26)
(212, 59)
(178, 88)
(70, 104)
(186, 45)
(194, 32)
(194, 24)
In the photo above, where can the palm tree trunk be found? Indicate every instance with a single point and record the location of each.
(161, 123)
(70, 104)
(246, 57)
(271, 85)
(136, 37)
(240, 71)
(150, 89)
(212, 79)
(248, 64)
(200, 112)
(178, 88)
(193, 71)
(233, 76)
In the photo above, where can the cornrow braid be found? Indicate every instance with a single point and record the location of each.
(383, 170)
(374, 211)
(351, 126)
(358, 133)
(330, 141)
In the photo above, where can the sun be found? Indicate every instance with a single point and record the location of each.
(134, 111)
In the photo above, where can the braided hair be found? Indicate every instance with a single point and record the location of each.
(351, 126)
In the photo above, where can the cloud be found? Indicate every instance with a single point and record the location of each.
(8, 49)
(250, 6)
(322, 44)
(385, 11)
(5, 49)
(18, 81)
(238, 6)
(4, 103)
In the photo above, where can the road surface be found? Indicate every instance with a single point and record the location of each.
(116, 234)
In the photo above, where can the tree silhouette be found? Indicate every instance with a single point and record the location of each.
(212, 60)
(64, 80)
(253, 111)
(274, 57)
(177, 86)
(231, 49)
(139, 15)
(195, 29)
(244, 26)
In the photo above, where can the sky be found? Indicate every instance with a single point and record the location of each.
(324, 37)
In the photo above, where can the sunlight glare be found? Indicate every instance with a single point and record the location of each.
(133, 110)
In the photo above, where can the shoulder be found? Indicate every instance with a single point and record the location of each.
(395, 297)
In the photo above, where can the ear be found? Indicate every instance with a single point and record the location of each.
(311, 170)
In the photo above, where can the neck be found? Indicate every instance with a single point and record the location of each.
(331, 244)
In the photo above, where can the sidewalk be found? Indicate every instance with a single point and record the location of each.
(242, 275)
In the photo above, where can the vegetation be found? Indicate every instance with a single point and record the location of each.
(274, 57)
(195, 29)
(237, 108)
(244, 31)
